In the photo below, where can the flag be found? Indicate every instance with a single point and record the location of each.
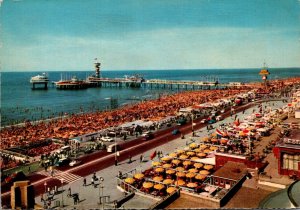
(219, 133)
(153, 155)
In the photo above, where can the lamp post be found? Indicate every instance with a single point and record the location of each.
(101, 179)
(62, 193)
(116, 148)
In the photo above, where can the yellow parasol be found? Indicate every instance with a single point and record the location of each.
(180, 182)
(208, 167)
(198, 165)
(204, 172)
(201, 155)
(129, 180)
(187, 162)
(158, 179)
(190, 153)
(166, 159)
(192, 185)
(171, 190)
(167, 165)
(147, 185)
(207, 151)
(183, 156)
(159, 170)
(195, 158)
(170, 171)
(159, 186)
(155, 163)
(193, 170)
(180, 174)
(173, 155)
(139, 176)
(180, 151)
(179, 169)
(193, 145)
(168, 181)
(190, 175)
(203, 146)
(176, 161)
(200, 176)
(197, 150)
(213, 148)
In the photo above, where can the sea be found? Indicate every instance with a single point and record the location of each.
(19, 102)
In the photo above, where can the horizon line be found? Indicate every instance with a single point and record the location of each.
(192, 69)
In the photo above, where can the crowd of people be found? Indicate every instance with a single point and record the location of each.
(76, 125)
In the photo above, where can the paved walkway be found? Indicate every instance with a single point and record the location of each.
(89, 195)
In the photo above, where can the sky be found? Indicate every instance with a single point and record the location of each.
(46, 35)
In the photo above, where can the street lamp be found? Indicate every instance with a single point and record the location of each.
(62, 193)
(116, 160)
(101, 179)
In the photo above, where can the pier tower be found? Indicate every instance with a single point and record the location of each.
(264, 72)
(97, 68)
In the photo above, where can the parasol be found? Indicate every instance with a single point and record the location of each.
(180, 174)
(159, 170)
(170, 171)
(208, 167)
(204, 172)
(168, 181)
(155, 163)
(179, 169)
(171, 190)
(158, 179)
(176, 161)
(193, 170)
(183, 156)
(187, 162)
(129, 180)
(190, 175)
(167, 165)
(180, 182)
(192, 185)
(200, 176)
(190, 153)
(147, 185)
(159, 186)
(139, 176)
(198, 165)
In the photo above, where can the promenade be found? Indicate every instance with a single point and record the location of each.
(89, 195)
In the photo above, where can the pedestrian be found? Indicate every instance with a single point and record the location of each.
(92, 181)
(141, 158)
(84, 181)
(120, 174)
(69, 192)
(129, 159)
(29, 169)
(116, 162)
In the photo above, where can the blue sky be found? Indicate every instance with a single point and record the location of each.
(143, 34)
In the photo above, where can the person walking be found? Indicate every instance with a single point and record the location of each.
(84, 182)
(129, 159)
(141, 158)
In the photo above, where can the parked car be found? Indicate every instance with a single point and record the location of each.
(181, 121)
(107, 139)
(212, 121)
(63, 162)
(147, 136)
(75, 162)
(175, 132)
(203, 121)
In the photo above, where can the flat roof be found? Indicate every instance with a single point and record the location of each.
(232, 170)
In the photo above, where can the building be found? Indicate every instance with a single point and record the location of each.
(22, 195)
(287, 152)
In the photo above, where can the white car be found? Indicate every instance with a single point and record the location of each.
(74, 162)
(107, 139)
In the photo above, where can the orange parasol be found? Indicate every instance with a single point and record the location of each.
(170, 171)
(190, 153)
(190, 175)
(159, 170)
(197, 150)
(207, 151)
(139, 176)
(183, 156)
(198, 165)
(200, 176)
(213, 148)
(171, 190)
(176, 161)
(195, 158)
(167, 165)
(193, 170)
(187, 162)
(180, 182)
(129, 180)
(168, 181)
(173, 155)
(158, 179)
(201, 155)
(192, 185)
(166, 159)
(159, 186)
(208, 167)
(180, 174)
(179, 169)
(147, 185)
(204, 172)
(155, 163)
(203, 146)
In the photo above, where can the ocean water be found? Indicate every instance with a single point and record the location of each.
(19, 102)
